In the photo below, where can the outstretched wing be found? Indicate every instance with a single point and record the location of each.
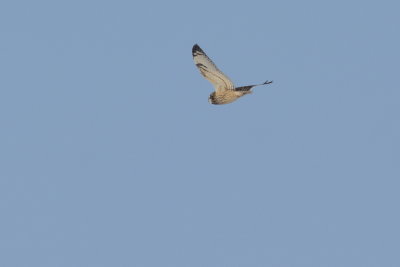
(210, 71)
(248, 87)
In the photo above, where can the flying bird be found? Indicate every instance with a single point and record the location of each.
(225, 90)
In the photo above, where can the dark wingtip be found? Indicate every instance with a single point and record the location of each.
(196, 48)
(268, 82)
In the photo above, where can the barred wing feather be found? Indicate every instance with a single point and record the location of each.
(210, 71)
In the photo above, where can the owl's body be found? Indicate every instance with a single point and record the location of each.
(226, 97)
(225, 91)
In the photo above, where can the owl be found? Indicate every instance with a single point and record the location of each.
(225, 91)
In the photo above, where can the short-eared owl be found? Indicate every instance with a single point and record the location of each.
(225, 91)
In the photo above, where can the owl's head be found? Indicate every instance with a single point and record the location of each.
(211, 98)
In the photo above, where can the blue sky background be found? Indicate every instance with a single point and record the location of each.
(111, 154)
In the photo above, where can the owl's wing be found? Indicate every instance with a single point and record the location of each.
(210, 71)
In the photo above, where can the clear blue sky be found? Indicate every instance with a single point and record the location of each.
(111, 154)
